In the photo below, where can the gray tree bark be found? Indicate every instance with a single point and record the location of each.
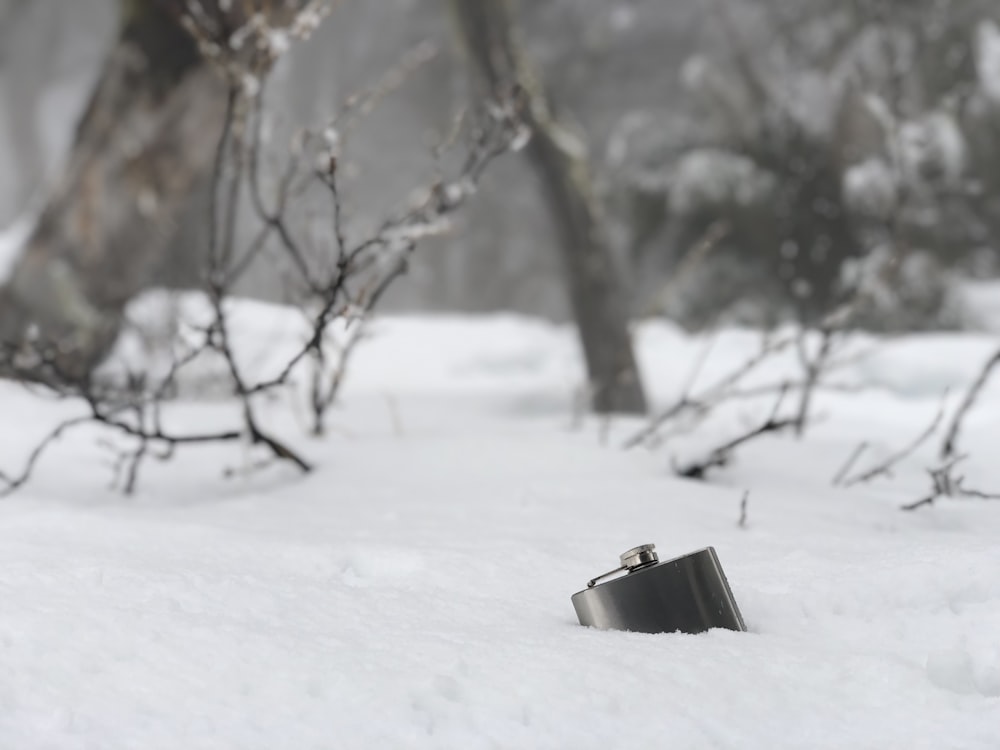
(148, 134)
(596, 295)
(24, 76)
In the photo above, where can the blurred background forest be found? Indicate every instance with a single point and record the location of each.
(754, 158)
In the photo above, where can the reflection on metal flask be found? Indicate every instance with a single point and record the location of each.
(688, 593)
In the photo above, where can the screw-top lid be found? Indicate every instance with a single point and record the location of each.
(635, 558)
(638, 557)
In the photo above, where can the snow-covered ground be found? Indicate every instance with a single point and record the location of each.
(414, 591)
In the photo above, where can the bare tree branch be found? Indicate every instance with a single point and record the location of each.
(712, 396)
(722, 456)
(838, 478)
(813, 367)
(949, 446)
(945, 484)
(885, 467)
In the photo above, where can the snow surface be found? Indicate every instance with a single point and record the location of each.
(414, 591)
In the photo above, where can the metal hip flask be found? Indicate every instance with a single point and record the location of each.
(689, 594)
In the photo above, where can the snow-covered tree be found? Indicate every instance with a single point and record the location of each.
(828, 134)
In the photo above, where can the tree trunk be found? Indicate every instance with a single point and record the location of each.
(24, 63)
(596, 295)
(148, 134)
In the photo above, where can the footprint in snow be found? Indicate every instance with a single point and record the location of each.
(374, 566)
(959, 671)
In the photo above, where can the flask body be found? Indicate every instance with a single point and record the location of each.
(688, 594)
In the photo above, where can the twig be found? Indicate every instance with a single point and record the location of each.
(838, 479)
(943, 484)
(712, 396)
(717, 231)
(14, 483)
(884, 468)
(949, 446)
(721, 456)
(814, 368)
(742, 523)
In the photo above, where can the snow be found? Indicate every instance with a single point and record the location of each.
(709, 177)
(933, 142)
(414, 591)
(871, 188)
